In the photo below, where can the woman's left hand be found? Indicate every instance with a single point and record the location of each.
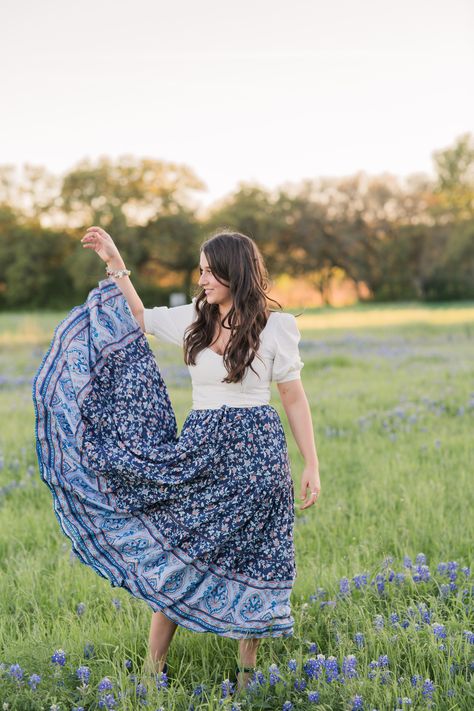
(310, 481)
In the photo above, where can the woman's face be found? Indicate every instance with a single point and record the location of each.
(216, 293)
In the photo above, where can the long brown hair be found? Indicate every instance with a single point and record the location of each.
(235, 261)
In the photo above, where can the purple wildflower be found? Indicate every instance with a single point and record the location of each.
(313, 696)
(80, 609)
(141, 690)
(360, 580)
(380, 582)
(332, 669)
(357, 703)
(416, 678)
(469, 636)
(116, 603)
(33, 681)
(227, 688)
(88, 650)
(108, 702)
(105, 684)
(394, 618)
(300, 684)
(359, 639)
(313, 647)
(344, 586)
(439, 631)
(422, 574)
(161, 680)
(59, 657)
(312, 668)
(428, 689)
(379, 622)
(287, 706)
(127, 663)
(349, 666)
(292, 665)
(274, 673)
(16, 672)
(383, 660)
(83, 674)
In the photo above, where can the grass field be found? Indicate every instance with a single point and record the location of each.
(383, 600)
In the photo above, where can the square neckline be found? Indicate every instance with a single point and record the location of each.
(221, 355)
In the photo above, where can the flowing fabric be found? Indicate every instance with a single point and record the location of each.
(199, 525)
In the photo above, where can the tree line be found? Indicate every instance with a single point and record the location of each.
(410, 240)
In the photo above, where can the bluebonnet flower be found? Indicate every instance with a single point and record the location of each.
(16, 672)
(469, 636)
(378, 622)
(80, 609)
(88, 650)
(383, 660)
(127, 663)
(33, 681)
(453, 566)
(371, 673)
(313, 696)
(300, 684)
(332, 669)
(292, 665)
(407, 563)
(404, 701)
(380, 582)
(444, 590)
(197, 691)
(442, 568)
(416, 678)
(313, 647)
(108, 702)
(117, 603)
(360, 580)
(399, 577)
(349, 666)
(394, 618)
(83, 674)
(438, 630)
(59, 657)
(359, 639)
(344, 586)
(357, 703)
(161, 680)
(312, 667)
(422, 574)
(274, 673)
(466, 571)
(450, 692)
(141, 690)
(227, 688)
(105, 684)
(327, 603)
(428, 689)
(78, 708)
(287, 706)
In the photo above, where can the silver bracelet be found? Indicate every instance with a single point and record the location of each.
(117, 273)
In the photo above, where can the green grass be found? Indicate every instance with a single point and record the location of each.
(393, 413)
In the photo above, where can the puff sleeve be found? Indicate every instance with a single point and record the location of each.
(169, 323)
(287, 363)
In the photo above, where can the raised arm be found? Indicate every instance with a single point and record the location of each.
(102, 243)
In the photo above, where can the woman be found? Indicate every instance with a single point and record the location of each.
(198, 525)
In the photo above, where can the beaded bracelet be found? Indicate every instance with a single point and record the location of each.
(117, 273)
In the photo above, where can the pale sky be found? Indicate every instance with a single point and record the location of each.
(255, 90)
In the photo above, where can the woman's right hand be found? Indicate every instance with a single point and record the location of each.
(97, 239)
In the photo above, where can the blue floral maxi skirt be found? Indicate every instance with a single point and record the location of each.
(200, 524)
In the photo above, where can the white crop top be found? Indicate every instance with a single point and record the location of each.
(278, 349)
